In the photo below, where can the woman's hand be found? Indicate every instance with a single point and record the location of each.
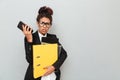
(27, 32)
(49, 70)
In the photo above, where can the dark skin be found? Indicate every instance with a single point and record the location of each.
(43, 29)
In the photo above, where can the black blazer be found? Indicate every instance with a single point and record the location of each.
(29, 57)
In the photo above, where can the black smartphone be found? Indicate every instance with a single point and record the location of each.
(20, 26)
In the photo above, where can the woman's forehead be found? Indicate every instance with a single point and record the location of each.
(44, 19)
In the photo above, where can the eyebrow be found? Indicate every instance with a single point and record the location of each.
(44, 22)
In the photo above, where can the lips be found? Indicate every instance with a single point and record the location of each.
(43, 30)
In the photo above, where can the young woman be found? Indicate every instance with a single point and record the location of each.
(44, 22)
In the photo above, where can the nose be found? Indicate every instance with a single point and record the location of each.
(45, 26)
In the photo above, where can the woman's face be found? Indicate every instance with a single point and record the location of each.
(44, 25)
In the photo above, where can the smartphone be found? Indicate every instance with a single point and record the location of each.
(20, 26)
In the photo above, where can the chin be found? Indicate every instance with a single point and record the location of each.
(44, 33)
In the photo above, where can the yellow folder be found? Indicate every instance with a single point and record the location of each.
(43, 55)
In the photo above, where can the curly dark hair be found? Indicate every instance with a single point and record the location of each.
(45, 12)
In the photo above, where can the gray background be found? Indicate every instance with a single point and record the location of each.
(88, 29)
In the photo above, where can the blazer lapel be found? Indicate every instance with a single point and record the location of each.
(36, 38)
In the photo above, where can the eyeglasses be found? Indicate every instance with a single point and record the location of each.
(45, 24)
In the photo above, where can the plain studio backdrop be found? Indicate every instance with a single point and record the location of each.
(88, 29)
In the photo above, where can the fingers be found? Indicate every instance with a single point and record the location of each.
(49, 70)
(26, 29)
(30, 30)
(27, 32)
(47, 73)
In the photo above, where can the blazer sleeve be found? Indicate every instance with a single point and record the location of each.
(61, 58)
(28, 51)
